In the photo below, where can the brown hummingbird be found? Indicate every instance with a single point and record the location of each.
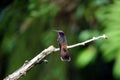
(63, 45)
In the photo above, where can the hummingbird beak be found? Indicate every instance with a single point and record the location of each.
(56, 30)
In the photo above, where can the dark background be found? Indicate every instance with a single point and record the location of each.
(26, 28)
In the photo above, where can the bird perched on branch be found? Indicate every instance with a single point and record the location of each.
(63, 45)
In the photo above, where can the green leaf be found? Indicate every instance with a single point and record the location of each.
(116, 69)
(85, 57)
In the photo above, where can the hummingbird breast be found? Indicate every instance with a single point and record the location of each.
(62, 40)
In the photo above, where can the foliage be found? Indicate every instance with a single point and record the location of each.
(26, 28)
(86, 56)
(109, 17)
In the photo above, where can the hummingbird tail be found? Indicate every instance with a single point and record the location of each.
(65, 58)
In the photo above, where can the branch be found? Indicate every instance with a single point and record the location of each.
(29, 64)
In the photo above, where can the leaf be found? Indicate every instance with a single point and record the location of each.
(85, 57)
(116, 69)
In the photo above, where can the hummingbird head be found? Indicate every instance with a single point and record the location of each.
(60, 32)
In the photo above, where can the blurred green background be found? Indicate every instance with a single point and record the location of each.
(26, 28)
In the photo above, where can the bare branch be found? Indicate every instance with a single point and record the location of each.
(85, 42)
(29, 64)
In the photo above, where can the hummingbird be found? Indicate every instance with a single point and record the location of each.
(63, 46)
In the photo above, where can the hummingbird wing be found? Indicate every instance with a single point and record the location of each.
(63, 47)
(64, 53)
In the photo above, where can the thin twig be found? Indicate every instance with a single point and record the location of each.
(85, 42)
(29, 64)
